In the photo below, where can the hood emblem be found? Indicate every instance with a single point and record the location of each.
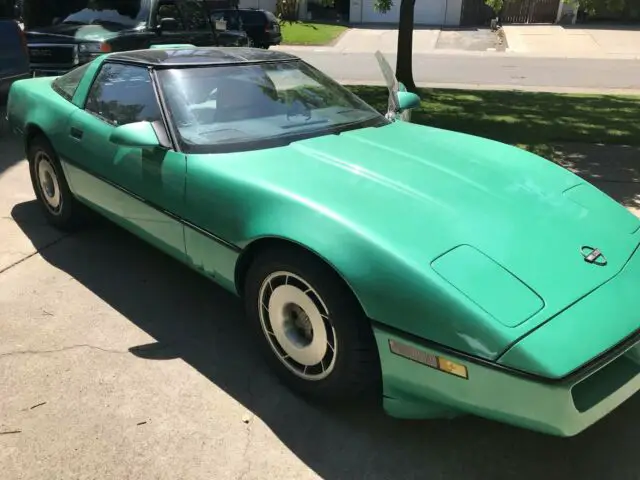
(593, 256)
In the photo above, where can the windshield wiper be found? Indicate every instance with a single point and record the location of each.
(350, 110)
(365, 123)
(304, 124)
(106, 22)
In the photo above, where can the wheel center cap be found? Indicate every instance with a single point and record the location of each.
(297, 325)
(48, 185)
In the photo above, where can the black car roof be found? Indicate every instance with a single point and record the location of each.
(200, 56)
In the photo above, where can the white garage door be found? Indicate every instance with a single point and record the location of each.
(263, 4)
(426, 12)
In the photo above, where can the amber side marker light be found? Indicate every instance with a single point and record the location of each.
(434, 361)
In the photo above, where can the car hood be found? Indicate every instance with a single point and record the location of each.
(426, 191)
(64, 32)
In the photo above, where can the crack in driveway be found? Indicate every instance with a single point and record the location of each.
(59, 350)
(38, 250)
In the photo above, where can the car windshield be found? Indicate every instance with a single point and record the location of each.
(105, 12)
(244, 107)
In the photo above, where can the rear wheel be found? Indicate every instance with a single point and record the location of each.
(311, 328)
(58, 204)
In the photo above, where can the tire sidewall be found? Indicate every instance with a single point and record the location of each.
(65, 216)
(344, 312)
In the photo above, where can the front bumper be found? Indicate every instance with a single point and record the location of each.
(563, 408)
(275, 39)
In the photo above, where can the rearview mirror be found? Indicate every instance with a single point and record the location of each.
(168, 24)
(138, 134)
(407, 101)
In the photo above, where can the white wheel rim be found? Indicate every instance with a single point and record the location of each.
(48, 183)
(295, 321)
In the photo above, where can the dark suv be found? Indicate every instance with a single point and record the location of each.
(261, 26)
(14, 58)
(78, 31)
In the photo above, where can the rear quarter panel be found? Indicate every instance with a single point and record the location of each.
(34, 104)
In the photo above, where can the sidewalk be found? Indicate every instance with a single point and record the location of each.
(573, 41)
(368, 40)
(542, 41)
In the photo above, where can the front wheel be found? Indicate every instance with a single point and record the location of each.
(310, 327)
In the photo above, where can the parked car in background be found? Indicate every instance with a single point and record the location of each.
(14, 57)
(73, 34)
(261, 26)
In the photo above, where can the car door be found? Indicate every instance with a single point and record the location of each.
(199, 29)
(167, 34)
(140, 188)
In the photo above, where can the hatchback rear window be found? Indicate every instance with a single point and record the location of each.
(67, 84)
(252, 17)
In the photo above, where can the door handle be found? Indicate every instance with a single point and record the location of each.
(76, 133)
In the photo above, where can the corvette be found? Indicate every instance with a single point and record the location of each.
(441, 273)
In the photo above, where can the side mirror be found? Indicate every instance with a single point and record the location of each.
(407, 101)
(168, 24)
(139, 134)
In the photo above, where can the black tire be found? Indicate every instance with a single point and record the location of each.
(70, 214)
(355, 374)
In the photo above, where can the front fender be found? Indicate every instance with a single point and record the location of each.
(248, 196)
(394, 287)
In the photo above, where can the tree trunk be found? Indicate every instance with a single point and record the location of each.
(404, 63)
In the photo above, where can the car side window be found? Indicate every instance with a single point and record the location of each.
(123, 94)
(169, 9)
(67, 84)
(195, 15)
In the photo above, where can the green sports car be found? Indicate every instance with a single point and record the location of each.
(438, 272)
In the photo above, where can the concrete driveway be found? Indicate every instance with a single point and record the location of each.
(574, 41)
(368, 39)
(118, 363)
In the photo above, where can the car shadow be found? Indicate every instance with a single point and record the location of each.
(192, 319)
(11, 151)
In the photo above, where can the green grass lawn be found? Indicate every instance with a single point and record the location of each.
(302, 33)
(529, 120)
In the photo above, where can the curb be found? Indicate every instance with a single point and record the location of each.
(518, 88)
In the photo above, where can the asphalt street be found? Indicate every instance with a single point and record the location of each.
(490, 69)
(116, 362)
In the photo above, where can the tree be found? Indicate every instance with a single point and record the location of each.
(610, 9)
(496, 5)
(404, 61)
